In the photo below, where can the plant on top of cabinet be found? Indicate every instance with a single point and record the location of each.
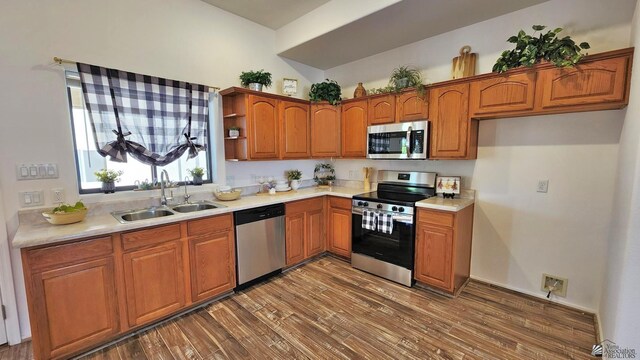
(531, 49)
(328, 90)
(294, 177)
(108, 179)
(255, 80)
(404, 77)
(197, 173)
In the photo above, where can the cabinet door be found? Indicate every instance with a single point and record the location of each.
(382, 109)
(410, 106)
(502, 94)
(596, 83)
(263, 128)
(339, 232)
(212, 260)
(295, 237)
(294, 122)
(433, 264)
(76, 307)
(325, 130)
(452, 135)
(354, 129)
(314, 220)
(154, 282)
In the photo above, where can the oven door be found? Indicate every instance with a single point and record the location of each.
(395, 248)
(398, 141)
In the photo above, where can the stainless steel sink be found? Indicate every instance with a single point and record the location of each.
(195, 206)
(143, 214)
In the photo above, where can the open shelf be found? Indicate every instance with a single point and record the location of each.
(236, 138)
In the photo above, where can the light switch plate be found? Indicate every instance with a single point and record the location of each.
(36, 171)
(31, 198)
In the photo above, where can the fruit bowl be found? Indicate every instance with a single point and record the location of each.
(228, 195)
(65, 218)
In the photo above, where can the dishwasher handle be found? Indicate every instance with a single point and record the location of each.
(258, 214)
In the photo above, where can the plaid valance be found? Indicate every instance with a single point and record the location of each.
(155, 120)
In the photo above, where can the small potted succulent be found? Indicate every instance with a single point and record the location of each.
(255, 80)
(197, 173)
(234, 131)
(328, 90)
(294, 177)
(108, 179)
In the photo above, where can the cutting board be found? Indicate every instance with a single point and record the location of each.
(465, 64)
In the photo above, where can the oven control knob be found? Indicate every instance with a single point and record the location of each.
(395, 208)
(379, 206)
(360, 203)
(401, 209)
(366, 203)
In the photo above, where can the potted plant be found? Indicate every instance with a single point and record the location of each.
(197, 173)
(328, 90)
(531, 49)
(255, 80)
(294, 177)
(234, 131)
(404, 77)
(108, 179)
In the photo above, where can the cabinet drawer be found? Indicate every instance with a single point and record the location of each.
(340, 203)
(436, 217)
(303, 206)
(209, 225)
(156, 235)
(69, 253)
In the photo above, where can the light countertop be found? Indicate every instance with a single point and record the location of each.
(439, 203)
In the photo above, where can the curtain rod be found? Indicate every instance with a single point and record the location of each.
(60, 61)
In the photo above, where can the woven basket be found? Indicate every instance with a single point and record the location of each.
(65, 218)
(228, 195)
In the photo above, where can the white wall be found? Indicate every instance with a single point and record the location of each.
(619, 313)
(178, 39)
(519, 233)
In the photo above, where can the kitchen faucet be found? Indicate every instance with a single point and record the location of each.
(186, 194)
(164, 176)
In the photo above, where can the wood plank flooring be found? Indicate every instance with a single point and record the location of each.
(327, 310)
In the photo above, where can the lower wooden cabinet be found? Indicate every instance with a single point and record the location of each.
(339, 226)
(304, 228)
(443, 248)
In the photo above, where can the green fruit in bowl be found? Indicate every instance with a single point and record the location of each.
(66, 208)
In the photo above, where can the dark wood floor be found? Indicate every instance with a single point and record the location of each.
(327, 310)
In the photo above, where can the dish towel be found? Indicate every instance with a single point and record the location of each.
(369, 220)
(385, 223)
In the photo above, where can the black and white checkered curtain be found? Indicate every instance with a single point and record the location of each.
(154, 120)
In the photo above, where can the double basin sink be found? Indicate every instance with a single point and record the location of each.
(161, 211)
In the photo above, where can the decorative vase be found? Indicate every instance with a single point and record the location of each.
(197, 180)
(109, 187)
(255, 86)
(234, 133)
(295, 184)
(360, 91)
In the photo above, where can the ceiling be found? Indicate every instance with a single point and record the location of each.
(270, 13)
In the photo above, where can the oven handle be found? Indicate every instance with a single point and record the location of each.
(409, 139)
(405, 219)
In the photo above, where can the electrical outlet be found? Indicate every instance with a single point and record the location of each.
(57, 195)
(556, 284)
(543, 186)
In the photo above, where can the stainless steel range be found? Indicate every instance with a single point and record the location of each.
(383, 226)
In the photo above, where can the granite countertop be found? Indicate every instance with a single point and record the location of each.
(42, 233)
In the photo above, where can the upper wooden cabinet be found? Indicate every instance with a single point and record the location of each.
(263, 128)
(591, 85)
(295, 131)
(325, 130)
(502, 94)
(304, 225)
(411, 106)
(382, 109)
(453, 134)
(354, 129)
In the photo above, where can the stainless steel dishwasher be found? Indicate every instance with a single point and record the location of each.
(260, 243)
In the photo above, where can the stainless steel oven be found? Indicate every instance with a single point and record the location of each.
(409, 140)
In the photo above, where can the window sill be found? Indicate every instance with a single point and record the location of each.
(127, 195)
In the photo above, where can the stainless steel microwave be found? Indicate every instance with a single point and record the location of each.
(409, 140)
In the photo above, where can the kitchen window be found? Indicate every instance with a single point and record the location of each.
(89, 160)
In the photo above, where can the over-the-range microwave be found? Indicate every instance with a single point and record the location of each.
(409, 140)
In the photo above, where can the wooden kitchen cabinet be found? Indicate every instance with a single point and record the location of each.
(339, 226)
(72, 296)
(453, 134)
(443, 248)
(411, 107)
(295, 133)
(381, 109)
(211, 256)
(304, 229)
(263, 128)
(507, 94)
(354, 129)
(325, 130)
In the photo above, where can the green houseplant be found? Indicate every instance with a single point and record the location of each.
(328, 90)
(197, 173)
(108, 179)
(294, 177)
(255, 80)
(404, 77)
(531, 49)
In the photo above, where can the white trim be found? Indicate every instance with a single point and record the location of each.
(6, 284)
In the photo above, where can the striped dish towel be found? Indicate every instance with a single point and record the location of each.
(369, 220)
(385, 223)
